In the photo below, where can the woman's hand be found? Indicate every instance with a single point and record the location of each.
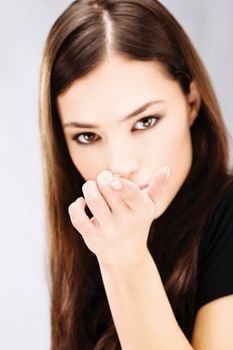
(118, 231)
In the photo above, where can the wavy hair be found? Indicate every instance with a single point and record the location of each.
(76, 44)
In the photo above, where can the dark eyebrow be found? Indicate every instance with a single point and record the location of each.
(133, 114)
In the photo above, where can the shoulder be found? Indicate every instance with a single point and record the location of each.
(219, 222)
(215, 277)
(214, 299)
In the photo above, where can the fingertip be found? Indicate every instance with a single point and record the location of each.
(116, 184)
(81, 201)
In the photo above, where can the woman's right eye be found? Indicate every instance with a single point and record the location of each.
(84, 138)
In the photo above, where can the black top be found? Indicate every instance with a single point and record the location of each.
(215, 264)
(215, 277)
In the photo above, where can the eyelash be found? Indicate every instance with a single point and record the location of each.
(76, 136)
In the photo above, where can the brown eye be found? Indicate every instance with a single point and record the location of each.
(84, 138)
(149, 122)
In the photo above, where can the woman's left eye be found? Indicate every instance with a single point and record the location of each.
(148, 121)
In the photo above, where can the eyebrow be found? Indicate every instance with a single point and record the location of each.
(131, 115)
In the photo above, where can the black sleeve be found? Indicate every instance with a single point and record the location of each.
(216, 254)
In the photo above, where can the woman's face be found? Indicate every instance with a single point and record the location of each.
(136, 118)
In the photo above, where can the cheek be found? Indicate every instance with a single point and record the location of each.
(85, 162)
(178, 150)
(177, 154)
(169, 145)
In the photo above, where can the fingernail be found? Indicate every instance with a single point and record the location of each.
(117, 185)
(164, 170)
(104, 176)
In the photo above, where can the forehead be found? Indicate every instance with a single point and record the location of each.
(118, 83)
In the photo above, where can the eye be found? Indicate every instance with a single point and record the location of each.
(87, 138)
(149, 121)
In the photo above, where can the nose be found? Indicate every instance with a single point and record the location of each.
(122, 163)
(126, 172)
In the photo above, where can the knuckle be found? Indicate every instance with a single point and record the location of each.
(77, 216)
(86, 185)
(80, 223)
(77, 222)
(90, 191)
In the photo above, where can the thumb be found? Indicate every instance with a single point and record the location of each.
(157, 183)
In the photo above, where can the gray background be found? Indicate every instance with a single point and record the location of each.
(24, 25)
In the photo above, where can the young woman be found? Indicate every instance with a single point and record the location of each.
(146, 264)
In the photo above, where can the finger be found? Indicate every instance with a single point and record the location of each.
(114, 200)
(130, 193)
(96, 202)
(157, 183)
(79, 218)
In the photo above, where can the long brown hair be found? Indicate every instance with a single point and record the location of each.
(77, 43)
